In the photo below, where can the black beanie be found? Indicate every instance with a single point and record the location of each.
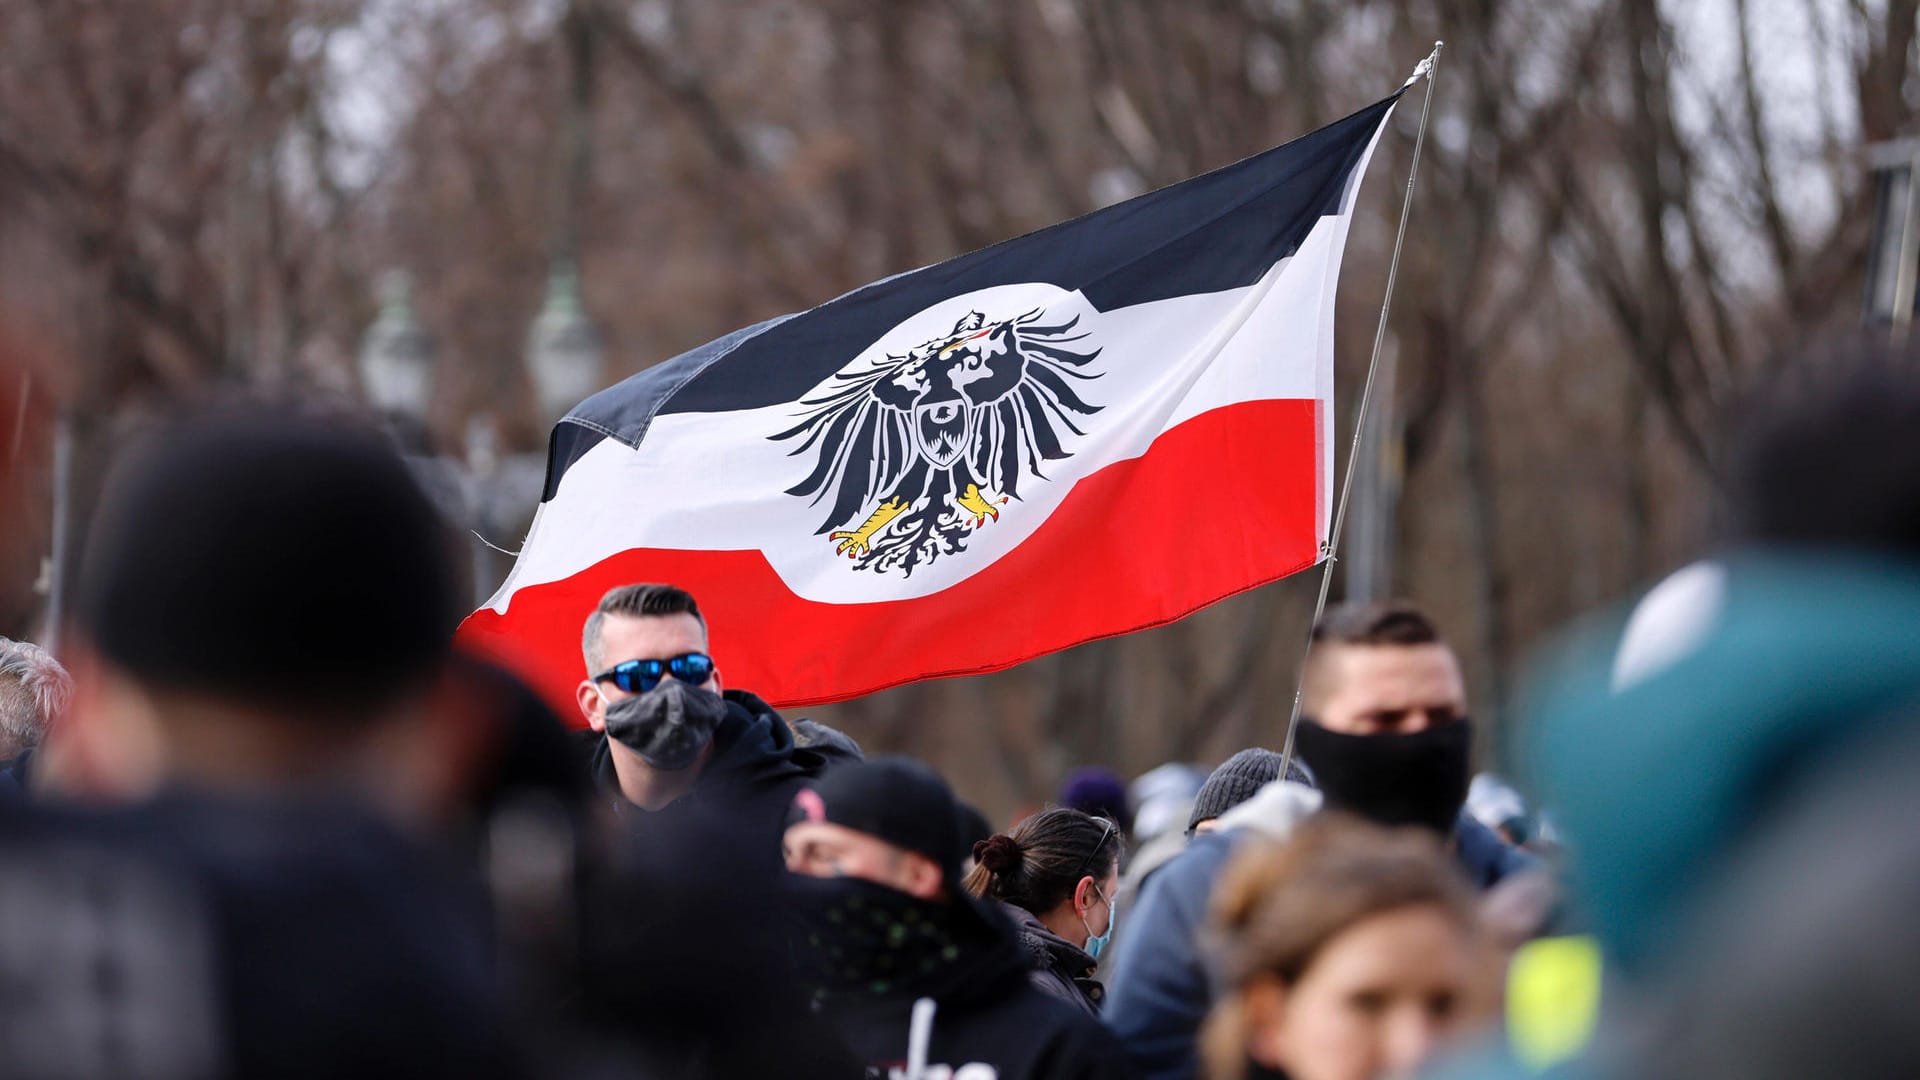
(1236, 780)
(268, 556)
(895, 799)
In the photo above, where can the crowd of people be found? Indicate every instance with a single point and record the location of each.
(260, 817)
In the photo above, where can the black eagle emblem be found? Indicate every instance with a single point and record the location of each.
(925, 445)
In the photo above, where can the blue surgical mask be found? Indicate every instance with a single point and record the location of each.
(1096, 942)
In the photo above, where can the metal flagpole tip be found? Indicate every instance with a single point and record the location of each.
(1425, 67)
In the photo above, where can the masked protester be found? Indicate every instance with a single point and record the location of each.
(1384, 731)
(1056, 875)
(665, 731)
(917, 976)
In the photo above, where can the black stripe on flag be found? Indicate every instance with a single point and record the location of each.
(1217, 231)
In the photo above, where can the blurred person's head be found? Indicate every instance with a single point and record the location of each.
(266, 600)
(1162, 797)
(873, 855)
(1825, 458)
(652, 687)
(34, 689)
(1237, 779)
(1097, 790)
(1062, 865)
(890, 822)
(1348, 952)
(1383, 720)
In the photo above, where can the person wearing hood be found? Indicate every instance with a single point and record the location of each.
(916, 976)
(1055, 875)
(1384, 730)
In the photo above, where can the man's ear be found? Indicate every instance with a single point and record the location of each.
(714, 683)
(924, 881)
(591, 706)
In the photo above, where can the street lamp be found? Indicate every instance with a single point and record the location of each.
(563, 347)
(1893, 262)
(396, 356)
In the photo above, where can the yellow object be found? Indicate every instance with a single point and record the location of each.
(1553, 999)
(973, 502)
(860, 540)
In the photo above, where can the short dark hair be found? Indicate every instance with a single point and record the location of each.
(634, 600)
(1394, 623)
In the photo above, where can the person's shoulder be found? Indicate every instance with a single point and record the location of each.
(1192, 872)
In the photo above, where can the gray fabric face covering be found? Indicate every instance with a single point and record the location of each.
(668, 725)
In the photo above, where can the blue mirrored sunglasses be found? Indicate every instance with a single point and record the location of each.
(640, 676)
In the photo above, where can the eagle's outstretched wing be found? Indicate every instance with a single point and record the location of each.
(1021, 408)
(865, 446)
(1015, 378)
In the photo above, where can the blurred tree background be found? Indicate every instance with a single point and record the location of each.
(1628, 212)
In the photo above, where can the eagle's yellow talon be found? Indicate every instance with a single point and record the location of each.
(977, 504)
(857, 542)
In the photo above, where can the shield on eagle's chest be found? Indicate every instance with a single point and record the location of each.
(916, 448)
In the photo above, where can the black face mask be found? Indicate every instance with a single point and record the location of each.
(1418, 779)
(668, 725)
(858, 938)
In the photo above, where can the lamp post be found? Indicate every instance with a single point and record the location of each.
(563, 346)
(396, 355)
(1893, 262)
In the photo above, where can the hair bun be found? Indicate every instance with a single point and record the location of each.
(998, 853)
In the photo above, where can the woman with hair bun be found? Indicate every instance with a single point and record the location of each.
(1347, 953)
(1055, 875)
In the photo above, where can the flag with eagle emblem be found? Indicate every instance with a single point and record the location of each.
(1095, 428)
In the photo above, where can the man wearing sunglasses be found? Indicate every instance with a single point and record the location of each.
(665, 728)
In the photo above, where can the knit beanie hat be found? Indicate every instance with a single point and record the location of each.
(266, 554)
(1235, 781)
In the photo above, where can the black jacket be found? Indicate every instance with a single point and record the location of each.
(753, 772)
(683, 951)
(987, 1013)
(202, 935)
(1057, 967)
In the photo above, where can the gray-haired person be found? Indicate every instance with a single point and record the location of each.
(34, 689)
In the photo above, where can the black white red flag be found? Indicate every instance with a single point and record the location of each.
(1095, 428)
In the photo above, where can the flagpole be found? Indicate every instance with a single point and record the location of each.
(1428, 68)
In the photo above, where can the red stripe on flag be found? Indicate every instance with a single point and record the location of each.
(1220, 504)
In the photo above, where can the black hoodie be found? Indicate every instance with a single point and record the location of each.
(989, 1021)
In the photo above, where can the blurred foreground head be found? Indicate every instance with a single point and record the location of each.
(1347, 952)
(263, 590)
(1826, 456)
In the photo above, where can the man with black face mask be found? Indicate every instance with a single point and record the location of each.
(916, 976)
(1384, 729)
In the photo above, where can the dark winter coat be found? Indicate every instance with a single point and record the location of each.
(1058, 968)
(988, 1017)
(200, 935)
